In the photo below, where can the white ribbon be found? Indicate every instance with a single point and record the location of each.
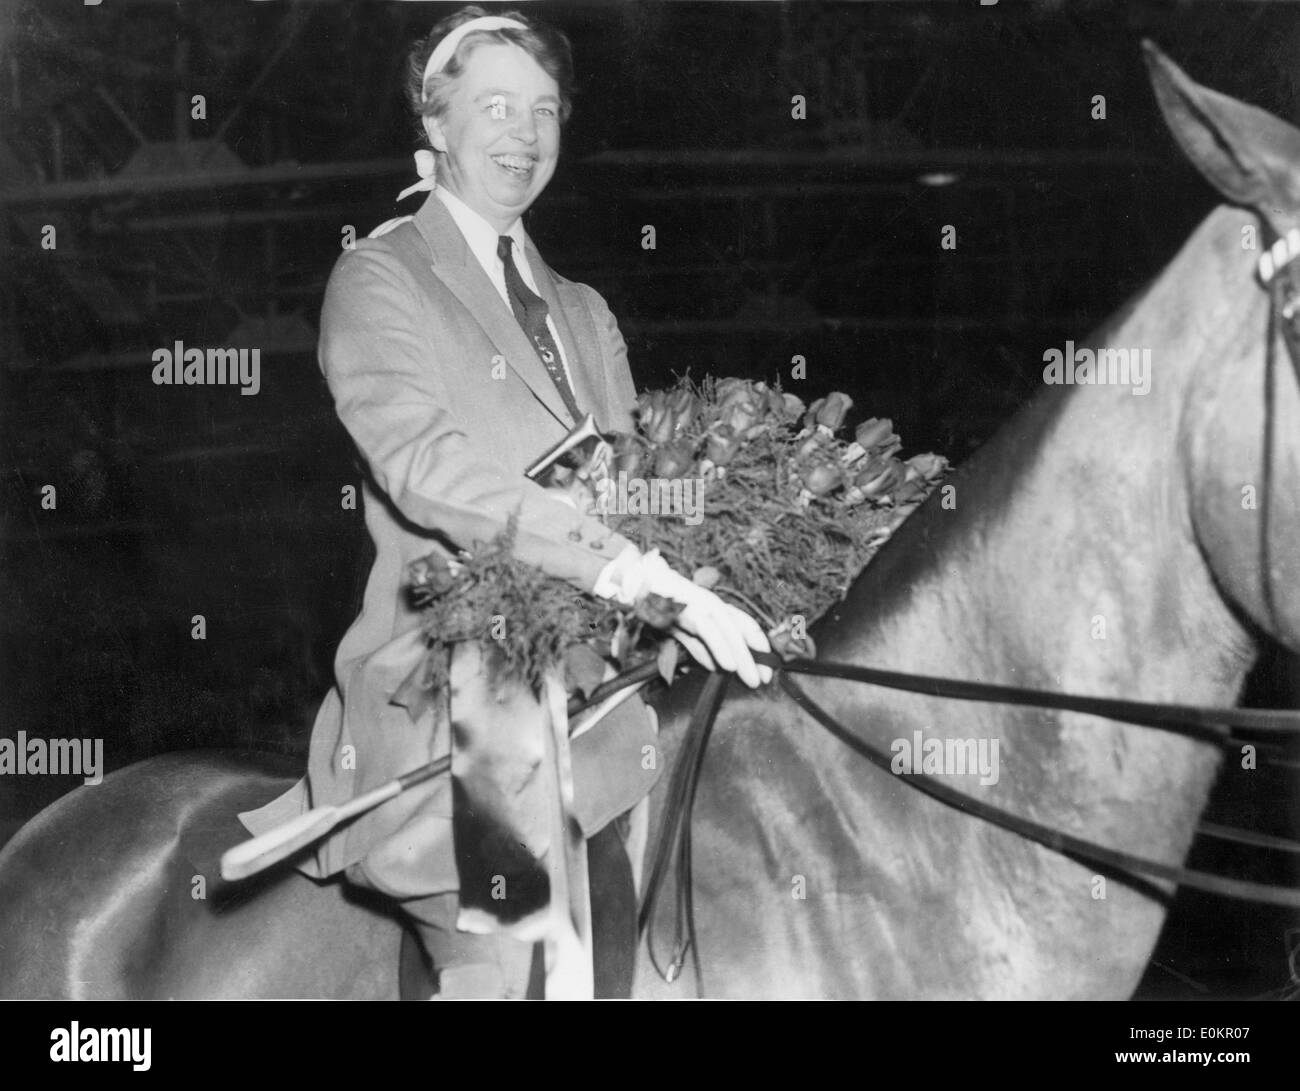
(426, 166)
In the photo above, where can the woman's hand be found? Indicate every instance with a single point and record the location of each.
(713, 631)
(717, 634)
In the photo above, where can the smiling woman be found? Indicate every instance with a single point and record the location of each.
(493, 124)
(500, 138)
(456, 357)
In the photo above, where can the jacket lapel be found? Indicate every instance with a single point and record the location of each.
(456, 267)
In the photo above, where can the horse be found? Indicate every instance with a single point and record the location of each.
(1107, 541)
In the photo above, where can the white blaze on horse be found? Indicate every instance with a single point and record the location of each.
(1101, 543)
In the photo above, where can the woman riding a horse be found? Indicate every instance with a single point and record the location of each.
(455, 357)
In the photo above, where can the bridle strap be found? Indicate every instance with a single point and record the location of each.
(676, 837)
(1077, 848)
(1249, 837)
(1192, 721)
(1277, 274)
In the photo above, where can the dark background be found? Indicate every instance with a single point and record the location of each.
(776, 237)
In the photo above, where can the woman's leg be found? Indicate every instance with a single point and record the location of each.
(496, 966)
(468, 966)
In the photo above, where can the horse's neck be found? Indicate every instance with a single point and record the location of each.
(1067, 558)
(1069, 563)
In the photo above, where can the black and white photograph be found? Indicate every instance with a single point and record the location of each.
(651, 500)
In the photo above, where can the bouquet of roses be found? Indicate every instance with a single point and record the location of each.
(791, 513)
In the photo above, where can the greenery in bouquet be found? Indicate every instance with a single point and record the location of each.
(533, 620)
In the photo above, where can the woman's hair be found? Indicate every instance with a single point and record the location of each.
(546, 45)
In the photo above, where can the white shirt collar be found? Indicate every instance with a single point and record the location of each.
(482, 236)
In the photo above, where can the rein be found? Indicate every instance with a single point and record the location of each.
(1276, 274)
(1192, 721)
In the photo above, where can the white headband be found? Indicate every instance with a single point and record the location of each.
(444, 49)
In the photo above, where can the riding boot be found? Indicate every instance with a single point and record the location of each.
(613, 911)
(474, 967)
(465, 965)
(633, 828)
(504, 972)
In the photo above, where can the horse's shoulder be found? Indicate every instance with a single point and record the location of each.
(160, 798)
(209, 768)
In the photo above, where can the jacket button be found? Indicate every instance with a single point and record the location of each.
(575, 535)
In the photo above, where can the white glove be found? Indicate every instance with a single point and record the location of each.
(717, 634)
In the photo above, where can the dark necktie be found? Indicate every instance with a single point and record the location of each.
(531, 311)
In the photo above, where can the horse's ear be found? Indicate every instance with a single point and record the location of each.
(1247, 154)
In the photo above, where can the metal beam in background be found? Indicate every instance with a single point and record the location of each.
(217, 220)
(826, 324)
(580, 198)
(661, 327)
(147, 185)
(312, 292)
(126, 358)
(146, 528)
(973, 166)
(292, 27)
(790, 188)
(907, 161)
(607, 274)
